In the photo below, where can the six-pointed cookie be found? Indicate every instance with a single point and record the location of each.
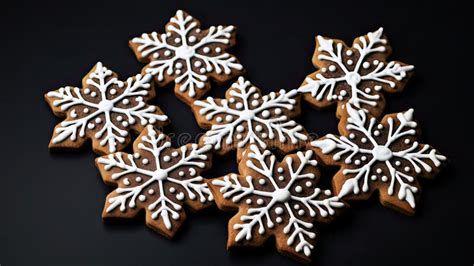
(275, 199)
(356, 74)
(246, 117)
(384, 157)
(188, 56)
(157, 179)
(104, 110)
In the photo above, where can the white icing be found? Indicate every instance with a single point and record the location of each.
(154, 144)
(320, 86)
(415, 155)
(249, 117)
(187, 49)
(110, 135)
(279, 198)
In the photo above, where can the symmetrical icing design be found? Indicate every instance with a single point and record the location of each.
(354, 74)
(246, 117)
(382, 156)
(188, 55)
(104, 110)
(157, 179)
(273, 198)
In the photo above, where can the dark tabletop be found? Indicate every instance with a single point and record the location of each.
(52, 202)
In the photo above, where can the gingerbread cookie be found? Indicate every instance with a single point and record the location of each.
(188, 56)
(384, 157)
(245, 117)
(356, 74)
(278, 199)
(157, 179)
(104, 110)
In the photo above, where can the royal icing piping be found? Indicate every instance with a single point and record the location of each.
(246, 117)
(374, 160)
(144, 176)
(364, 76)
(106, 107)
(188, 54)
(271, 190)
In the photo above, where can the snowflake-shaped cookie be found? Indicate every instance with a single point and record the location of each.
(382, 156)
(104, 110)
(356, 74)
(245, 117)
(157, 179)
(277, 199)
(188, 55)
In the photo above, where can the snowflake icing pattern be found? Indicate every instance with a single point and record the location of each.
(188, 55)
(384, 157)
(158, 179)
(279, 199)
(103, 110)
(354, 74)
(246, 117)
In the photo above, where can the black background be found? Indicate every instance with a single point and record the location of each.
(51, 202)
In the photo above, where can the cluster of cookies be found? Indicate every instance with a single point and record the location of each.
(273, 198)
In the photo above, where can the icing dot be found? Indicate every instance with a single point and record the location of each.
(407, 169)
(136, 155)
(255, 103)
(343, 92)
(350, 62)
(177, 40)
(93, 94)
(172, 190)
(126, 182)
(202, 70)
(258, 128)
(138, 179)
(278, 111)
(260, 201)
(179, 65)
(261, 181)
(113, 91)
(232, 100)
(398, 163)
(240, 128)
(327, 192)
(175, 154)
(379, 171)
(357, 162)
(373, 177)
(363, 140)
(375, 62)
(280, 170)
(228, 118)
(90, 126)
(248, 201)
(279, 210)
(181, 173)
(324, 70)
(308, 184)
(377, 87)
(379, 126)
(151, 191)
(407, 141)
(279, 220)
(264, 135)
(125, 123)
(256, 96)
(87, 91)
(301, 212)
(281, 178)
(296, 206)
(349, 52)
(332, 68)
(352, 136)
(98, 120)
(119, 118)
(376, 133)
(167, 53)
(363, 158)
(239, 136)
(298, 189)
(141, 198)
(166, 158)
(366, 65)
(192, 38)
(384, 178)
(218, 50)
(125, 101)
(206, 50)
(145, 161)
(219, 119)
(239, 105)
(197, 63)
(156, 55)
(266, 114)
